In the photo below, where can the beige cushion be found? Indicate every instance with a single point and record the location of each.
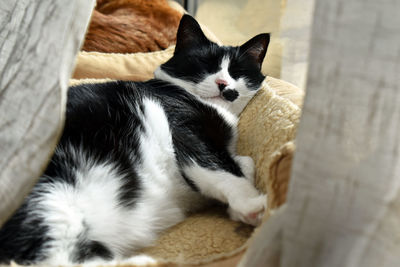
(137, 66)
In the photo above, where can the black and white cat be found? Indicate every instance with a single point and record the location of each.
(136, 157)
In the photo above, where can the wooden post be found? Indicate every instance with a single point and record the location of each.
(343, 205)
(38, 44)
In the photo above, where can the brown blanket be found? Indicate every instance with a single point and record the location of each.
(130, 26)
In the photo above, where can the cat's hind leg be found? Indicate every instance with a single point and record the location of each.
(245, 202)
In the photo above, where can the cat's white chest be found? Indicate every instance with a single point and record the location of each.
(165, 185)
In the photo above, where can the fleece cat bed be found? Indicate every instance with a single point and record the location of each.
(267, 129)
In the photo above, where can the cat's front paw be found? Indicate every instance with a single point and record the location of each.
(246, 163)
(250, 211)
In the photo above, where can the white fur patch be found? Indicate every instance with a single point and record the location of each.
(208, 90)
(92, 207)
(167, 188)
(209, 86)
(138, 260)
(221, 185)
(239, 193)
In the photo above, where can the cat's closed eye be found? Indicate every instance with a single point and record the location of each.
(203, 64)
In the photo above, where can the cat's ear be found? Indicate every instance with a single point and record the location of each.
(256, 48)
(189, 34)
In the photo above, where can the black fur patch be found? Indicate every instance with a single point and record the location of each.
(190, 183)
(230, 94)
(89, 249)
(100, 123)
(23, 238)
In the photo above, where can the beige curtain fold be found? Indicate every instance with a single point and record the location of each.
(38, 42)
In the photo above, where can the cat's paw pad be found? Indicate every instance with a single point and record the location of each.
(250, 211)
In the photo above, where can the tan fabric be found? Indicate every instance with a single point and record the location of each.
(268, 122)
(138, 66)
(279, 174)
(286, 90)
(203, 235)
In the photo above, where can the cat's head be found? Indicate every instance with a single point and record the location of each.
(225, 75)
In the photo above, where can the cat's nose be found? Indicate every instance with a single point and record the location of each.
(221, 84)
